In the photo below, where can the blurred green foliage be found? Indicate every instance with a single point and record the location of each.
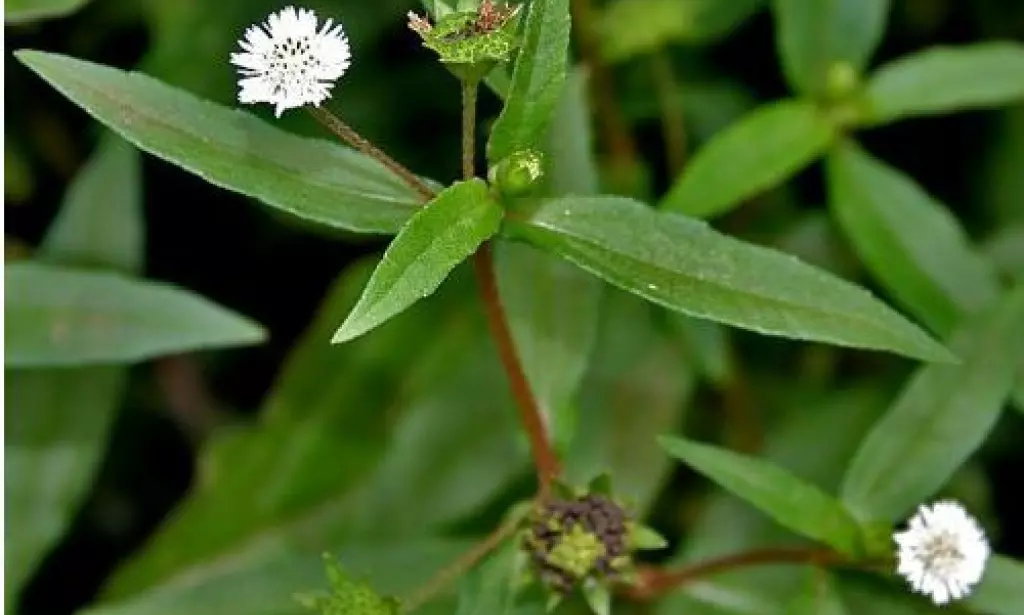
(395, 452)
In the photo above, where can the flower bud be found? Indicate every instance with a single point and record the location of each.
(518, 174)
(470, 43)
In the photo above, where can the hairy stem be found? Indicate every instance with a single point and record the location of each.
(544, 458)
(469, 92)
(350, 136)
(613, 127)
(654, 582)
(673, 130)
(462, 565)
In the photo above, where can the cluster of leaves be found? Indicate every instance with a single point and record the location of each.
(250, 533)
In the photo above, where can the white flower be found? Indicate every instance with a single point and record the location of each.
(289, 63)
(943, 552)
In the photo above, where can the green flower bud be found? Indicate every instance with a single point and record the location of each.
(519, 174)
(841, 81)
(471, 43)
(347, 596)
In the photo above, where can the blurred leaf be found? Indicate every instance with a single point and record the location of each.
(265, 583)
(571, 167)
(56, 424)
(908, 240)
(816, 445)
(1001, 591)
(60, 317)
(941, 416)
(947, 79)
(26, 11)
(1005, 250)
(686, 266)
(308, 178)
(19, 182)
(489, 589)
(814, 37)
(396, 433)
(864, 594)
(435, 240)
(762, 149)
(793, 503)
(630, 28)
(818, 597)
(1000, 185)
(638, 386)
(552, 309)
(537, 81)
(101, 222)
(57, 420)
(706, 345)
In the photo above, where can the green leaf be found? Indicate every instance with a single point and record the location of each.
(392, 436)
(598, 597)
(308, 178)
(946, 79)
(910, 241)
(26, 11)
(101, 222)
(941, 416)
(62, 317)
(1001, 591)
(759, 151)
(571, 164)
(706, 345)
(537, 80)
(1005, 249)
(814, 38)
(265, 583)
(687, 266)
(489, 589)
(57, 420)
(630, 28)
(439, 237)
(552, 309)
(347, 595)
(792, 502)
(633, 367)
(818, 597)
(56, 426)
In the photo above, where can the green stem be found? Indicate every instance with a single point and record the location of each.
(673, 130)
(345, 132)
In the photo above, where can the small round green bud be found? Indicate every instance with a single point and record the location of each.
(841, 81)
(519, 174)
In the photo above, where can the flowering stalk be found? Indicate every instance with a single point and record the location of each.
(345, 132)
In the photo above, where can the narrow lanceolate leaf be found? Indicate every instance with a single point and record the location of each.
(100, 223)
(308, 178)
(792, 502)
(26, 11)
(536, 81)
(439, 237)
(57, 420)
(909, 241)
(816, 37)
(947, 79)
(1001, 591)
(759, 151)
(687, 266)
(940, 418)
(58, 316)
(489, 589)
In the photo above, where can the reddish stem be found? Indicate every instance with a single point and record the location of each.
(544, 458)
(654, 581)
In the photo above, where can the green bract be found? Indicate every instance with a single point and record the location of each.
(471, 43)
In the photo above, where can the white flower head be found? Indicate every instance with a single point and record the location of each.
(943, 552)
(288, 62)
